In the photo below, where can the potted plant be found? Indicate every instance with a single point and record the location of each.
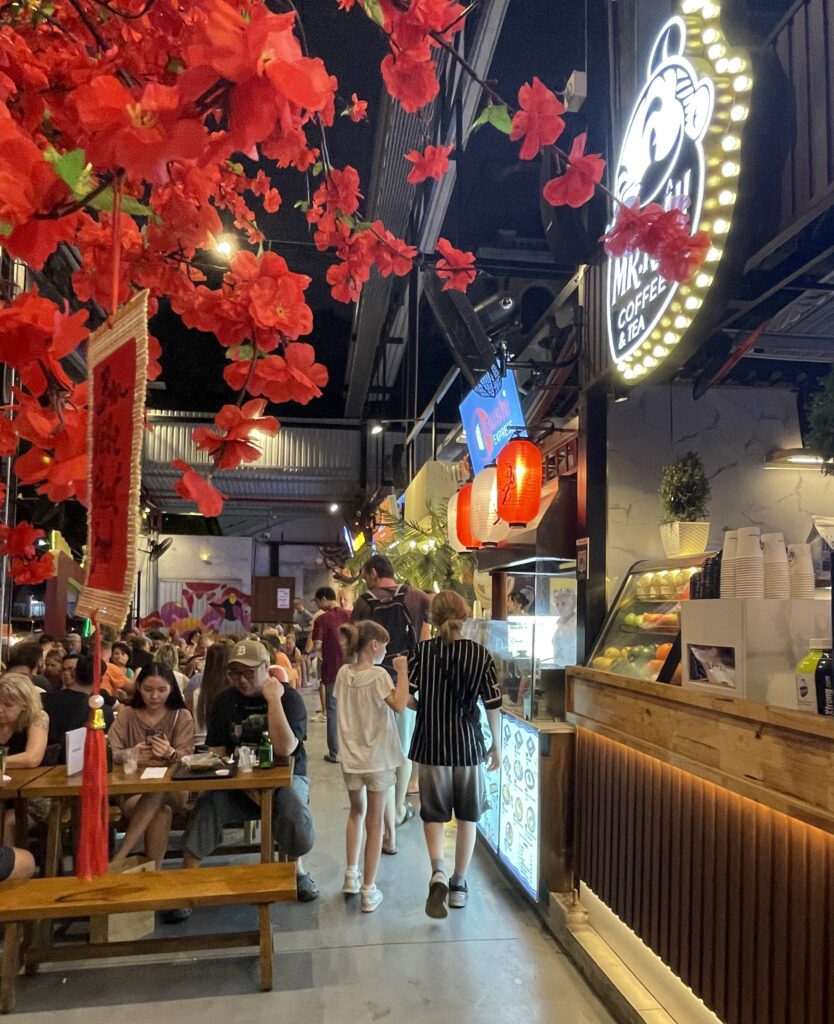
(821, 424)
(684, 495)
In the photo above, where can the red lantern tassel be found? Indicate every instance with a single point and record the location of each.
(91, 858)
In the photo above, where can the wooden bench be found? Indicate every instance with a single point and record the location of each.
(50, 899)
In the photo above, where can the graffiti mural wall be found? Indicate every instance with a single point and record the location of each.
(223, 607)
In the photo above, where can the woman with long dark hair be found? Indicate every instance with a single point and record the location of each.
(159, 729)
(213, 680)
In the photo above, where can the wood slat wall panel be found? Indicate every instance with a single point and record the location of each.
(736, 898)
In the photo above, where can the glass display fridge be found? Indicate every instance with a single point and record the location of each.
(641, 634)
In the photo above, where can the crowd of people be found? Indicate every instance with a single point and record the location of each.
(393, 695)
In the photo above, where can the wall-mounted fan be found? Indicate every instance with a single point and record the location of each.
(158, 548)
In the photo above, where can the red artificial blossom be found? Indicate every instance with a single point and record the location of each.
(193, 487)
(433, 162)
(17, 543)
(358, 109)
(236, 444)
(576, 186)
(455, 268)
(662, 234)
(539, 121)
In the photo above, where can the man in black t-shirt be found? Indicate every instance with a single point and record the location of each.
(69, 708)
(257, 703)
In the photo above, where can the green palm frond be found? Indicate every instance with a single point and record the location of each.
(421, 553)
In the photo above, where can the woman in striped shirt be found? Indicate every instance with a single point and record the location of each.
(448, 675)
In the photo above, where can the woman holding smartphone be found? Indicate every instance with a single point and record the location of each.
(158, 730)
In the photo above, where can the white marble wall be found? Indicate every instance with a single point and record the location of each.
(732, 429)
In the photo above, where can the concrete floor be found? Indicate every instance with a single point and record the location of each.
(491, 962)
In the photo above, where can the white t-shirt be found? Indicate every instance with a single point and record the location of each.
(367, 729)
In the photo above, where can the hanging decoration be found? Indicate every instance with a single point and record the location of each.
(117, 357)
(484, 514)
(464, 518)
(520, 474)
(452, 523)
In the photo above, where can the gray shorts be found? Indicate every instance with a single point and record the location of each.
(292, 823)
(376, 782)
(445, 791)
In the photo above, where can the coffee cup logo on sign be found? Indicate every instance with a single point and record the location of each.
(661, 161)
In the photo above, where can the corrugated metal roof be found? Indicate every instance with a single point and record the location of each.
(313, 452)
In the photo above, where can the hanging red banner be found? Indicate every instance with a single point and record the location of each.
(117, 359)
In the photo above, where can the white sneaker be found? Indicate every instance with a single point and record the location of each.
(352, 883)
(371, 899)
(318, 717)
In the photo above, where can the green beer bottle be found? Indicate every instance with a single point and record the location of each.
(265, 752)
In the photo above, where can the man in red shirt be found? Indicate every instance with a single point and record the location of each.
(326, 641)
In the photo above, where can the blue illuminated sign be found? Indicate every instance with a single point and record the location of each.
(490, 422)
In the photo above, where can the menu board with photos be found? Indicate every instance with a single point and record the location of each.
(489, 824)
(518, 845)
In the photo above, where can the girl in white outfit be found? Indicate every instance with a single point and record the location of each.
(370, 748)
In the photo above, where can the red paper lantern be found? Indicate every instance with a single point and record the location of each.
(519, 482)
(464, 518)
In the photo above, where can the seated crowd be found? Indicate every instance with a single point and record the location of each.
(164, 695)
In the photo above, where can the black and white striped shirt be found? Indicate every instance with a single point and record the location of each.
(449, 680)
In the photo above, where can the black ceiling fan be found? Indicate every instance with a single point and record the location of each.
(158, 548)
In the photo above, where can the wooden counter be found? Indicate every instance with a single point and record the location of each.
(780, 758)
(706, 824)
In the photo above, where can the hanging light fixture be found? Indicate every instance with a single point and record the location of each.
(464, 518)
(452, 522)
(484, 515)
(520, 474)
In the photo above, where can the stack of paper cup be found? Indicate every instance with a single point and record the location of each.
(777, 578)
(801, 570)
(728, 564)
(749, 563)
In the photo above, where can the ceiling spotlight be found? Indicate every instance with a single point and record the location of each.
(334, 507)
(225, 246)
(377, 428)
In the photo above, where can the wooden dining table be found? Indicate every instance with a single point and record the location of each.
(12, 792)
(60, 788)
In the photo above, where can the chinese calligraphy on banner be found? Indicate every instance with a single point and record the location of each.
(117, 358)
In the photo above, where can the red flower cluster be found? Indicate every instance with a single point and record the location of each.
(409, 72)
(358, 109)
(433, 162)
(661, 234)
(576, 186)
(294, 376)
(235, 444)
(18, 544)
(455, 267)
(260, 300)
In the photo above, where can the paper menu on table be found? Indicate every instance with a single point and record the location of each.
(154, 773)
(75, 740)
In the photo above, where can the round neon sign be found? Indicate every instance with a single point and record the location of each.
(683, 139)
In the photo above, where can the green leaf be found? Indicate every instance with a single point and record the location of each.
(347, 220)
(6, 228)
(362, 225)
(317, 168)
(495, 114)
(68, 166)
(235, 168)
(301, 204)
(175, 66)
(104, 201)
(374, 12)
(240, 353)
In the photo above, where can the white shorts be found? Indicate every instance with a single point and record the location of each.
(375, 782)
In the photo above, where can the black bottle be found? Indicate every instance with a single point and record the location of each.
(825, 684)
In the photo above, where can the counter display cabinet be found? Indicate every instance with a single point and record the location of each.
(643, 625)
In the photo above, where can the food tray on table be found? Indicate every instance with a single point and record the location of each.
(218, 770)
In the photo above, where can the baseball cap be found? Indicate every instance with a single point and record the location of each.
(249, 652)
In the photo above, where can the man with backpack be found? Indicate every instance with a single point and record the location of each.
(403, 611)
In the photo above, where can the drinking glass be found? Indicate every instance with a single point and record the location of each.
(3, 754)
(131, 761)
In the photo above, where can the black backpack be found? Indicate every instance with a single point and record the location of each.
(394, 618)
